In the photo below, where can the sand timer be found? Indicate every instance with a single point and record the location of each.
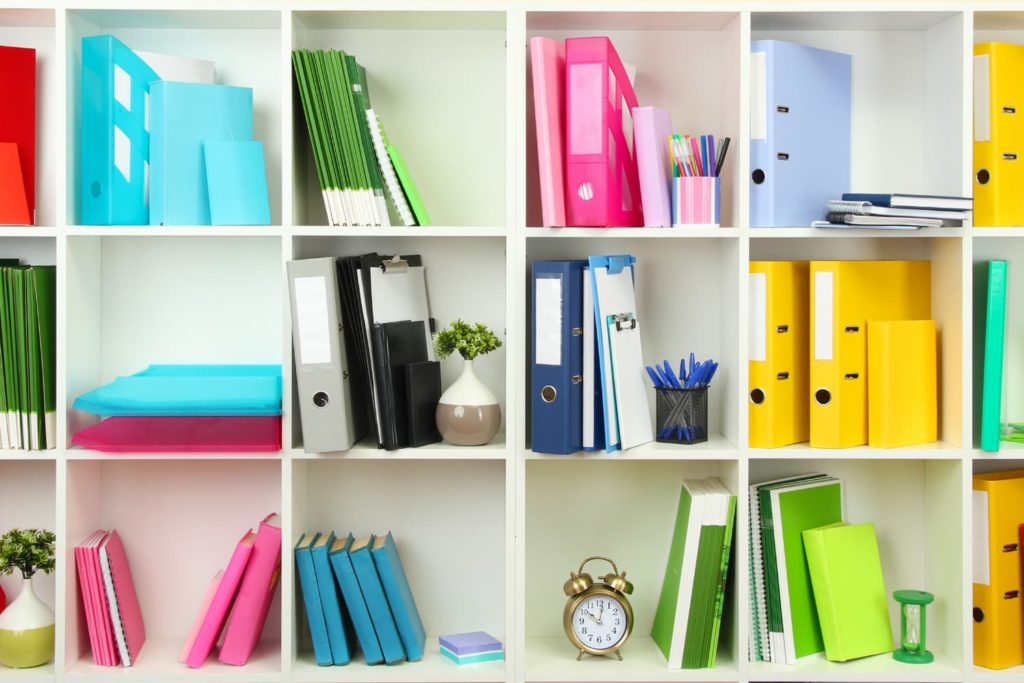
(912, 627)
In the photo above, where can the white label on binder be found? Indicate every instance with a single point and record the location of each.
(758, 95)
(548, 329)
(979, 534)
(982, 93)
(823, 316)
(312, 317)
(758, 316)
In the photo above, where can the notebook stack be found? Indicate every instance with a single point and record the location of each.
(688, 619)
(357, 586)
(186, 408)
(354, 160)
(896, 211)
(28, 376)
(475, 647)
(112, 613)
(245, 588)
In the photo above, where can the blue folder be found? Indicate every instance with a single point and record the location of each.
(113, 136)
(556, 394)
(189, 390)
(311, 600)
(236, 182)
(800, 139)
(330, 600)
(355, 604)
(377, 603)
(400, 599)
(184, 116)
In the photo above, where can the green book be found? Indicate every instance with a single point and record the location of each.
(33, 372)
(44, 291)
(360, 100)
(723, 576)
(302, 65)
(992, 378)
(411, 195)
(849, 590)
(19, 315)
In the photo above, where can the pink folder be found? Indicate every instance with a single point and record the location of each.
(547, 61)
(105, 625)
(182, 434)
(125, 613)
(651, 130)
(94, 601)
(190, 640)
(254, 595)
(602, 186)
(217, 614)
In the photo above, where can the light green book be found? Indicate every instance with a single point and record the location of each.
(994, 324)
(849, 590)
(411, 195)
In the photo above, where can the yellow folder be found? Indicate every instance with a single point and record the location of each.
(902, 383)
(844, 296)
(998, 134)
(778, 371)
(998, 512)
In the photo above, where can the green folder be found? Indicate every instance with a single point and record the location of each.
(849, 590)
(995, 330)
(404, 177)
(44, 291)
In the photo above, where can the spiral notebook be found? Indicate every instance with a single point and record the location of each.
(125, 613)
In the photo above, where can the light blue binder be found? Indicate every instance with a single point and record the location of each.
(184, 116)
(114, 143)
(400, 599)
(377, 603)
(800, 132)
(236, 182)
(311, 600)
(355, 603)
(330, 600)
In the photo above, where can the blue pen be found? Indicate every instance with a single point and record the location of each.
(704, 154)
(693, 361)
(682, 369)
(654, 377)
(711, 156)
(670, 375)
(714, 366)
(665, 381)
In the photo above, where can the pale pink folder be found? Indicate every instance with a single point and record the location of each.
(125, 613)
(602, 186)
(651, 130)
(254, 595)
(190, 640)
(547, 62)
(217, 613)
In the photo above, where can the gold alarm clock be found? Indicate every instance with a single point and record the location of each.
(598, 617)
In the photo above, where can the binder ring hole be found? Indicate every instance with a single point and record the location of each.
(548, 394)
(321, 399)
(978, 615)
(757, 396)
(823, 397)
(983, 176)
(757, 176)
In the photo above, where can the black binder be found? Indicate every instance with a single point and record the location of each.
(423, 392)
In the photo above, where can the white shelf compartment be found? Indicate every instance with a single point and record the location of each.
(704, 100)
(445, 110)
(245, 47)
(625, 511)
(180, 522)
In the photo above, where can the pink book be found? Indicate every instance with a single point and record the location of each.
(217, 614)
(190, 640)
(547, 60)
(602, 187)
(651, 130)
(94, 626)
(254, 595)
(125, 613)
(182, 434)
(105, 652)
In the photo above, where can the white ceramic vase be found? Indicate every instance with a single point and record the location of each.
(26, 630)
(468, 413)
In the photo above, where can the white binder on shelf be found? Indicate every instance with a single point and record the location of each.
(590, 440)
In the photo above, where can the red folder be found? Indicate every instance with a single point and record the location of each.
(18, 125)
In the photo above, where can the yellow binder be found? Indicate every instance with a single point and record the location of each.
(998, 511)
(778, 371)
(902, 383)
(998, 134)
(844, 296)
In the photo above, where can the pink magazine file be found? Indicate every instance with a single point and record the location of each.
(217, 613)
(190, 640)
(651, 130)
(696, 200)
(547, 63)
(182, 434)
(101, 605)
(602, 186)
(254, 595)
(125, 613)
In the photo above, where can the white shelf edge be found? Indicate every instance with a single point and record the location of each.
(174, 231)
(398, 231)
(846, 233)
(690, 232)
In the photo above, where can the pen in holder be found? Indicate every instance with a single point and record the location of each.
(682, 414)
(696, 200)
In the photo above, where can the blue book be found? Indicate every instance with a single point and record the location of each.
(236, 182)
(354, 601)
(935, 202)
(800, 123)
(400, 599)
(311, 599)
(329, 599)
(184, 116)
(376, 602)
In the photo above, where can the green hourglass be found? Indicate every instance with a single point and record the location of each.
(912, 627)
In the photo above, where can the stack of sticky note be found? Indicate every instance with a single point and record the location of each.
(471, 648)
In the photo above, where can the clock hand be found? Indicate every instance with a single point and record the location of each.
(591, 615)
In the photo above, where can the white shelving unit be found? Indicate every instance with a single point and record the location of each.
(488, 534)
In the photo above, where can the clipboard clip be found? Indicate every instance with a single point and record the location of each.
(623, 321)
(395, 264)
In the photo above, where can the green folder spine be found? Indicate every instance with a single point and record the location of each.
(665, 614)
(44, 282)
(992, 380)
(723, 576)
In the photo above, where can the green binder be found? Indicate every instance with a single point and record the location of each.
(992, 380)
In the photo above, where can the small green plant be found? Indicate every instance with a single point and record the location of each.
(30, 550)
(469, 340)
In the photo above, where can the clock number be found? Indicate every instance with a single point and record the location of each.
(582, 621)
(599, 639)
(584, 630)
(617, 621)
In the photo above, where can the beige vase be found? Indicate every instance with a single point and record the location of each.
(468, 413)
(26, 630)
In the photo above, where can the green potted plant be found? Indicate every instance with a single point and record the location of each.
(468, 413)
(26, 626)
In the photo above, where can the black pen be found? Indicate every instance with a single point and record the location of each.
(721, 156)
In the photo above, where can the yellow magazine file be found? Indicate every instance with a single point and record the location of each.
(998, 511)
(903, 405)
(998, 134)
(844, 296)
(778, 370)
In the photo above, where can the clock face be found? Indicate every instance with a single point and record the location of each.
(600, 622)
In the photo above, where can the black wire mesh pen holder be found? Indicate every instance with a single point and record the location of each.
(682, 415)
